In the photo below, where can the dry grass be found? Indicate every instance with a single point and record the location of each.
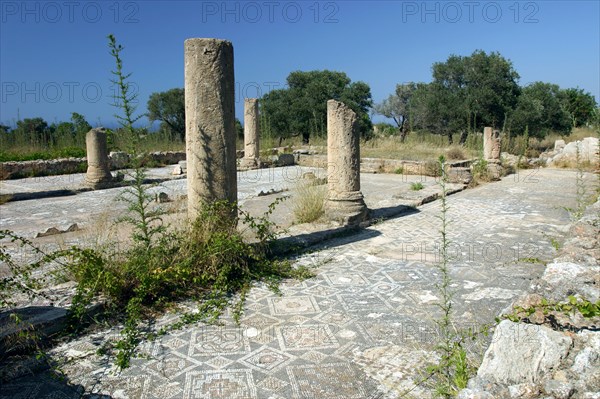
(417, 147)
(455, 153)
(309, 202)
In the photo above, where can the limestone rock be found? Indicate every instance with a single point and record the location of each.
(460, 175)
(509, 159)
(177, 170)
(118, 159)
(494, 170)
(558, 389)
(565, 278)
(522, 353)
(183, 165)
(587, 148)
(523, 391)
(472, 394)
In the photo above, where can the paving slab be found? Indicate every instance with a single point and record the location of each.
(362, 328)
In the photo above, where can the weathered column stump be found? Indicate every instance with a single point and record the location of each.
(98, 171)
(491, 152)
(345, 201)
(251, 158)
(210, 123)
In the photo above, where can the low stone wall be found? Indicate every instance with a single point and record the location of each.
(380, 165)
(117, 160)
(17, 170)
(167, 157)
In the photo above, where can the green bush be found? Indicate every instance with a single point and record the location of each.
(24, 155)
(416, 186)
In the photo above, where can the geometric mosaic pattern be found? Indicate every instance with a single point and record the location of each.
(219, 385)
(328, 380)
(363, 326)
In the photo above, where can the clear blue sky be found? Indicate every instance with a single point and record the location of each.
(54, 58)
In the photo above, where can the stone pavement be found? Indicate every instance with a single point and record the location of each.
(363, 327)
(383, 193)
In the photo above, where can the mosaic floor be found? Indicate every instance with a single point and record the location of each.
(362, 328)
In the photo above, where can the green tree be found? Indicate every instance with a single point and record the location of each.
(71, 133)
(467, 93)
(168, 107)
(580, 106)
(397, 107)
(80, 124)
(301, 109)
(274, 114)
(34, 131)
(540, 110)
(6, 137)
(436, 109)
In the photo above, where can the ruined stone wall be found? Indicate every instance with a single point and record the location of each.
(64, 166)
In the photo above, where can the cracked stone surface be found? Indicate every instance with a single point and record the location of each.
(363, 327)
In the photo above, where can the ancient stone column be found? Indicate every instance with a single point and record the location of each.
(344, 200)
(209, 123)
(491, 144)
(251, 134)
(98, 170)
(491, 152)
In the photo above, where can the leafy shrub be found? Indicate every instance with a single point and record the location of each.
(480, 173)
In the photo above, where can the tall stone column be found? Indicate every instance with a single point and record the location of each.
(344, 200)
(251, 134)
(209, 123)
(98, 170)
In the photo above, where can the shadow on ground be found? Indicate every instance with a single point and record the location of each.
(45, 385)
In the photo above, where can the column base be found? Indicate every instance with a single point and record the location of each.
(348, 208)
(250, 163)
(99, 180)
